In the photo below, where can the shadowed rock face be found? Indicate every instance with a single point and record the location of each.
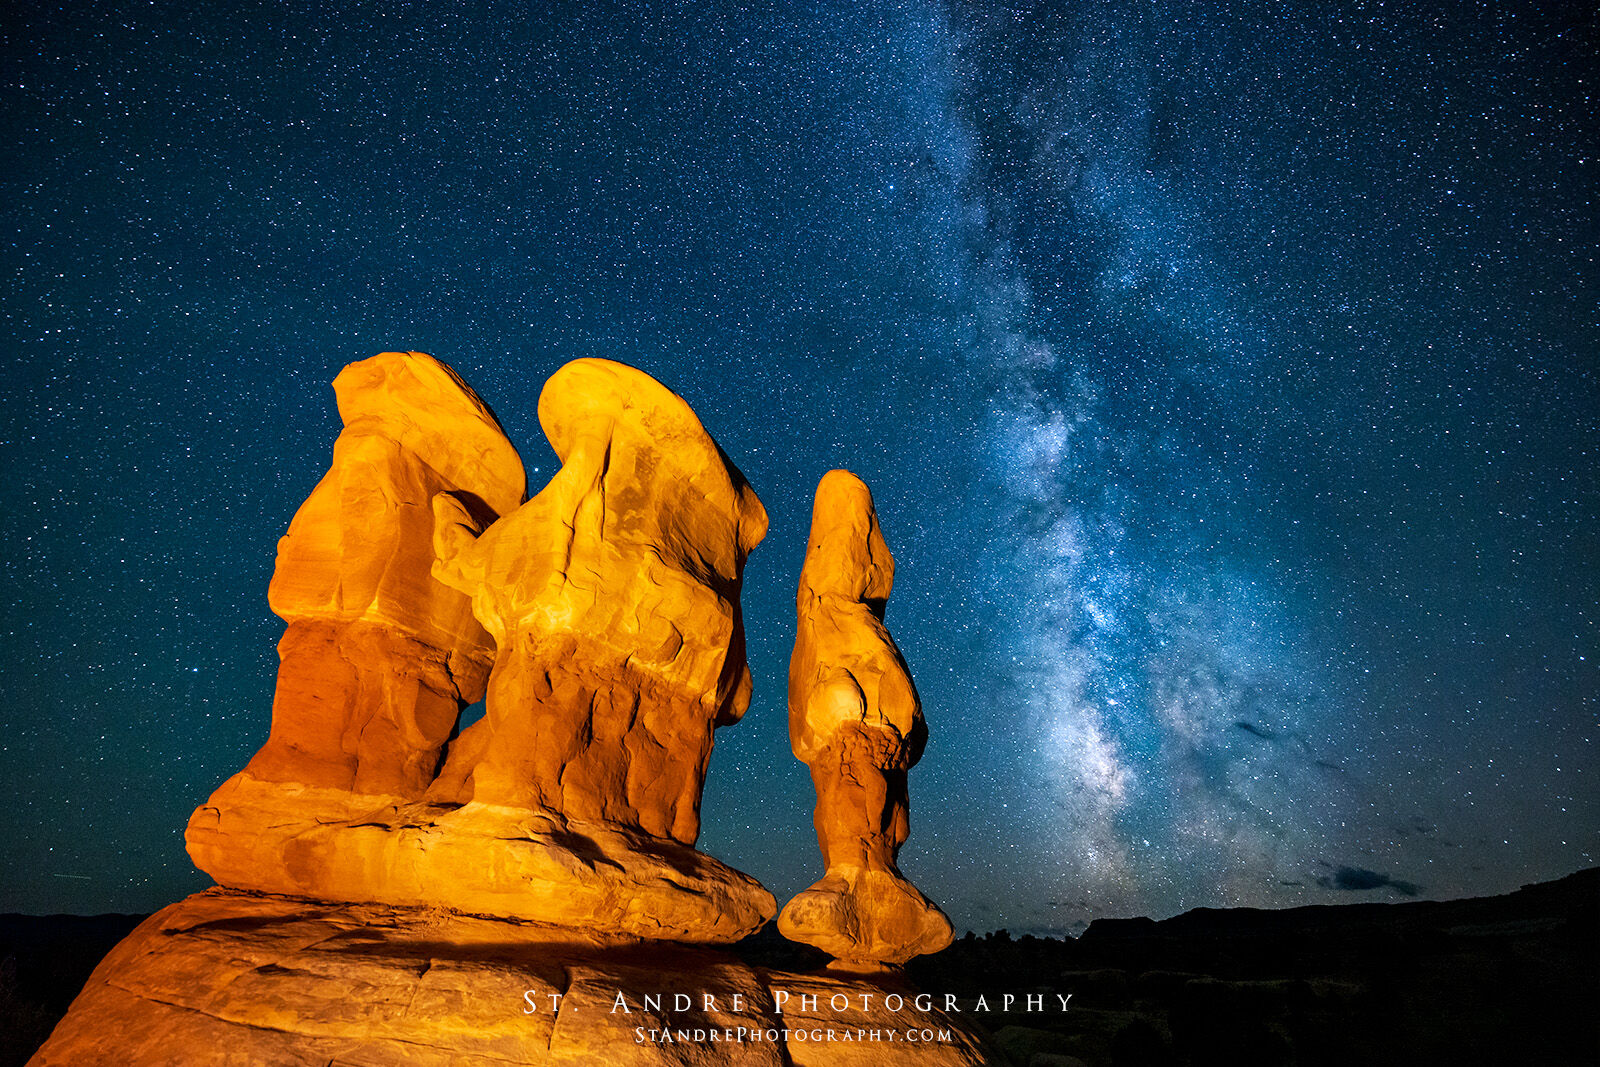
(608, 606)
(856, 721)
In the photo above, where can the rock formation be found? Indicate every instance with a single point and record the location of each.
(496, 909)
(856, 721)
(232, 978)
(379, 658)
(612, 599)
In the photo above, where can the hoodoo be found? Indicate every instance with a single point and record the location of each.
(856, 721)
(608, 607)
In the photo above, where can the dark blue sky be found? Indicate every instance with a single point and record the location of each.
(1226, 376)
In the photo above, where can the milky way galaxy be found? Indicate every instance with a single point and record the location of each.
(1225, 375)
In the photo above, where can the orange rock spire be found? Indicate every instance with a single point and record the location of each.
(856, 721)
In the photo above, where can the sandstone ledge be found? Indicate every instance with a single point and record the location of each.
(226, 977)
(485, 859)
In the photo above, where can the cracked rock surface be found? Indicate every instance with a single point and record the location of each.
(226, 978)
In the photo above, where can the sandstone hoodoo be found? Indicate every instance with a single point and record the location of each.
(856, 721)
(608, 606)
(379, 658)
(613, 597)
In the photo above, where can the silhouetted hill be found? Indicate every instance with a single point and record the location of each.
(1560, 900)
(1487, 980)
(44, 961)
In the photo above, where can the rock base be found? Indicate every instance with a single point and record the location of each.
(278, 837)
(226, 977)
(867, 919)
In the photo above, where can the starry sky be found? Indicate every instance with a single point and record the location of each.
(1227, 375)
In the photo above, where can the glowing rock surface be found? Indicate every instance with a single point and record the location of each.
(856, 721)
(379, 658)
(230, 978)
(613, 597)
(610, 602)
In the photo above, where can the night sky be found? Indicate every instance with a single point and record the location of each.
(1227, 375)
